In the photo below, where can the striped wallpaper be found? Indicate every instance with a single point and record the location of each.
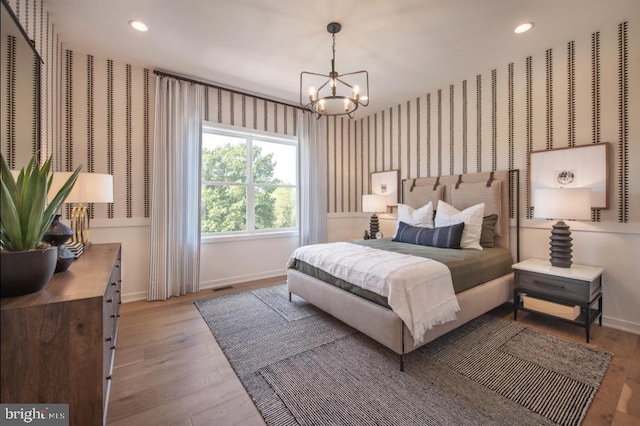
(99, 113)
(573, 94)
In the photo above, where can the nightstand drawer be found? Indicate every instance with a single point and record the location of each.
(565, 288)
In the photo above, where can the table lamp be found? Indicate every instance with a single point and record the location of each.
(372, 203)
(562, 204)
(89, 188)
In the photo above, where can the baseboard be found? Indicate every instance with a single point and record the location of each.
(239, 279)
(225, 282)
(623, 325)
(134, 297)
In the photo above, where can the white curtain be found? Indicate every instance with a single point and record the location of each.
(175, 189)
(312, 141)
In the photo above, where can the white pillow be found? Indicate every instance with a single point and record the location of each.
(447, 215)
(422, 217)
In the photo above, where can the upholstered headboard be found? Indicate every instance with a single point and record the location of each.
(462, 191)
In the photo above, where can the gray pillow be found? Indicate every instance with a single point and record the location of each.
(442, 237)
(488, 230)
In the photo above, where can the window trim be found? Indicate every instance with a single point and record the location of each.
(250, 135)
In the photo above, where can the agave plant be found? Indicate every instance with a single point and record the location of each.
(25, 214)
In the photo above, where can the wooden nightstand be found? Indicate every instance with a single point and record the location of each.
(578, 285)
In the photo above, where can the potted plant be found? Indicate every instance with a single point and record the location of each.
(27, 264)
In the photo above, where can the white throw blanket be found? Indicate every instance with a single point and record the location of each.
(419, 290)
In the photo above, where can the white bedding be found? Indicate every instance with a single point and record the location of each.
(419, 290)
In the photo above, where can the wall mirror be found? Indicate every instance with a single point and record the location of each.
(19, 91)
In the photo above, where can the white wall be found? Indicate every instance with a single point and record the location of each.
(230, 262)
(223, 262)
(604, 245)
(226, 262)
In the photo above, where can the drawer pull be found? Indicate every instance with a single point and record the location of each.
(108, 377)
(542, 283)
(114, 283)
(108, 339)
(110, 300)
(113, 347)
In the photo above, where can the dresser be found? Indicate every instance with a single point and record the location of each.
(58, 345)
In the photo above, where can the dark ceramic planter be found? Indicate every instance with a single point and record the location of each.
(25, 272)
(65, 258)
(58, 234)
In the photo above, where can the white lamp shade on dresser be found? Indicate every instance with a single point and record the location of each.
(89, 187)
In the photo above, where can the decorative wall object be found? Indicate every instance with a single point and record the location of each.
(585, 166)
(386, 183)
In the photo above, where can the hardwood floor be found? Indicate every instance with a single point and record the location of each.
(169, 370)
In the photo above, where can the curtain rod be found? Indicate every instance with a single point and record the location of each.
(213, 86)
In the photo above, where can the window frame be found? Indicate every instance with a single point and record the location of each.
(251, 135)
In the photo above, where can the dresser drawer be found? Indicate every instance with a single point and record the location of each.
(565, 288)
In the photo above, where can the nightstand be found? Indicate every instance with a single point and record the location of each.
(563, 288)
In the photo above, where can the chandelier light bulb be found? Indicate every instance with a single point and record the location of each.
(356, 92)
(312, 94)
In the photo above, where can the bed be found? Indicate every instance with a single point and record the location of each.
(480, 292)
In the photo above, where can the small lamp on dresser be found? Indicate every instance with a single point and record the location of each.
(89, 188)
(372, 203)
(562, 204)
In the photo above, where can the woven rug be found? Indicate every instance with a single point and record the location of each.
(304, 367)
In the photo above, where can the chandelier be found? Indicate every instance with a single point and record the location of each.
(334, 94)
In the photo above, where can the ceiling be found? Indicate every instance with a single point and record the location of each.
(261, 46)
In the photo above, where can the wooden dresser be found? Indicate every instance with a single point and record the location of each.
(58, 345)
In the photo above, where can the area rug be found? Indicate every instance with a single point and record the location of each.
(303, 367)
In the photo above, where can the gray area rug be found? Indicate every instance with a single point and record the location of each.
(303, 367)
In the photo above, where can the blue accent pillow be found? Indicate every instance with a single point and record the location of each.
(442, 237)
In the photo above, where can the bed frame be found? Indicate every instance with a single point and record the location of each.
(382, 324)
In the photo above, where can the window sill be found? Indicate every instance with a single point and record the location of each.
(210, 239)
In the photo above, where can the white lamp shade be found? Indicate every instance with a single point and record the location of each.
(562, 203)
(89, 187)
(372, 203)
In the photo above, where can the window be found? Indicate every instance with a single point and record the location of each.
(249, 182)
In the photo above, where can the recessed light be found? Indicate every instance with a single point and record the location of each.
(525, 26)
(138, 25)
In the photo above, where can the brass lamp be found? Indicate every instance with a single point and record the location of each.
(562, 204)
(89, 188)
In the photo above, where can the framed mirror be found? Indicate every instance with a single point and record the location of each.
(20, 66)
